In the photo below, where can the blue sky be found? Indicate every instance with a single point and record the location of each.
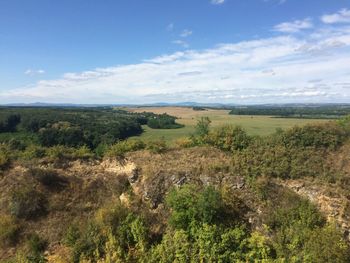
(143, 51)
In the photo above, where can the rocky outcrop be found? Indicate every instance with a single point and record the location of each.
(335, 206)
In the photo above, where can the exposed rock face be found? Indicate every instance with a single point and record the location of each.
(334, 205)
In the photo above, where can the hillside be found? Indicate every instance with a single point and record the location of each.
(218, 196)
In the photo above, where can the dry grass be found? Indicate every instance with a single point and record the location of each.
(90, 185)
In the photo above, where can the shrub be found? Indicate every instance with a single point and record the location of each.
(157, 146)
(9, 230)
(49, 178)
(190, 206)
(329, 135)
(15, 144)
(59, 153)
(119, 149)
(27, 203)
(82, 152)
(229, 138)
(4, 158)
(36, 247)
(184, 142)
(33, 152)
(326, 245)
(72, 235)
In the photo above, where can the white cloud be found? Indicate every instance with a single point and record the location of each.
(217, 2)
(33, 72)
(295, 26)
(294, 68)
(342, 16)
(186, 33)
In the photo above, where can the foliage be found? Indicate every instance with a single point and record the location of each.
(36, 246)
(163, 121)
(9, 123)
(315, 111)
(292, 222)
(9, 230)
(190, 206)
(326, 245)
(27, 203)
(156, 146)
(4, 157)
(48, 178)
(211, 243)
(121, 148)
(202, 127)
(329, 135)
(229, 138)
(75, 127)
(115, 234)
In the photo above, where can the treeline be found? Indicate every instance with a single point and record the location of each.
(77, 127)
(294, 112)
(9, 123)
(163, 121)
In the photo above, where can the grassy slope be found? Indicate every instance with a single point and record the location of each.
(255, 125)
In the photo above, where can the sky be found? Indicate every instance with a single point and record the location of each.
(148, 51)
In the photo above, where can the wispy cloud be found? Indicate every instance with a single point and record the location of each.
(283, 68)
(170, 27)
(280, 2)
(217, 2)
(181, 43)
(294, 26)
(186, 33)
(342, 16)
(33, 72)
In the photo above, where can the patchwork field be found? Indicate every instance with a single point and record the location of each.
(254, 125)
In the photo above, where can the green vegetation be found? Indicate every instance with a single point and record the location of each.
(27, 203)
(254, 125)
(74, 127)
(163, 121)
(9, 229)
(313, 111)
(219, 195)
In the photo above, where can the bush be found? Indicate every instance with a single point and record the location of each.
(191, 206)
(59, 152)
(71, 236)
(326, 245)
(157, 146)
(49, 178)
(27, 203)
(82, 152)
(9, 230)
(329, 135)
(36, 247)
(4, 158)
(184, 142)
(229, 138)
(119, 149)
(33, 152)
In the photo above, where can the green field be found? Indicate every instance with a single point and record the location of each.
(254, 125)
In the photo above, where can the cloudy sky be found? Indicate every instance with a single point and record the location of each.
(145, 51)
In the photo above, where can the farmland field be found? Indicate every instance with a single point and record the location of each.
(254, 125)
